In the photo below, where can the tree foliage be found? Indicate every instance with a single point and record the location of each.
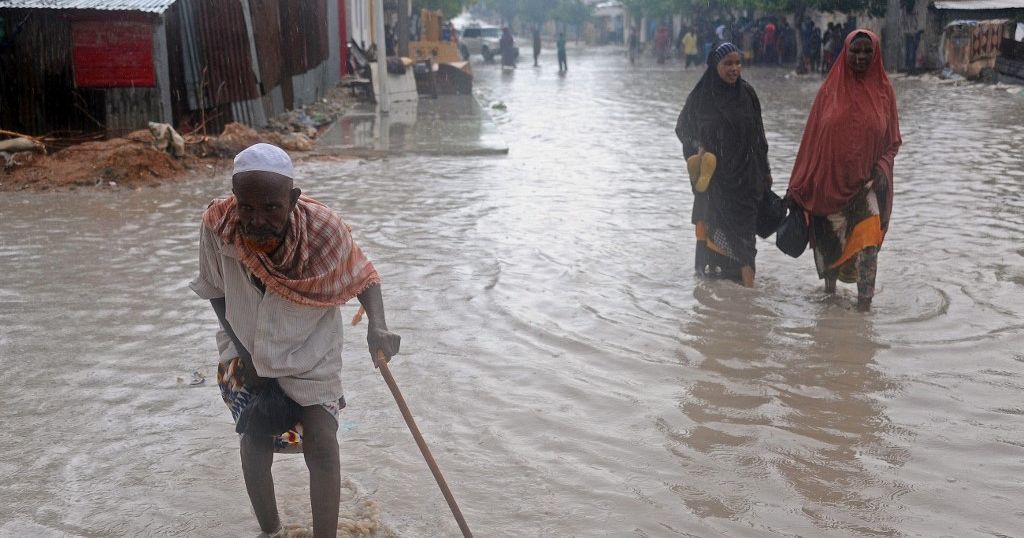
(573, 12)
(506, 9)
(537, 11)
(449, 8)
(665, 8)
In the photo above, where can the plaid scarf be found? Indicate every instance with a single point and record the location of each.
(318, 264)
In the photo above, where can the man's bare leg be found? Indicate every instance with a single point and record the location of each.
(257, 456)
(320, 448)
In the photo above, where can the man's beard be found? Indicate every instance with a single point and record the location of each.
(263, 241)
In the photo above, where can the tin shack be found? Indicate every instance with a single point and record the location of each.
(112, 66)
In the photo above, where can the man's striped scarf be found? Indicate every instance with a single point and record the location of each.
(318, 263)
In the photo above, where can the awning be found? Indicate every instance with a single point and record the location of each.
(148, 6)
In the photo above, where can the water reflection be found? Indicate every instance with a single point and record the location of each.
(793, 413)
(446, 125)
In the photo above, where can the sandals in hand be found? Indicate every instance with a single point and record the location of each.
(700, 168)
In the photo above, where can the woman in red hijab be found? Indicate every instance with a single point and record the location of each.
(843, 172)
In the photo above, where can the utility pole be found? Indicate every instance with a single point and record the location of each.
(893, 39)
(403, 27)
(382, 57)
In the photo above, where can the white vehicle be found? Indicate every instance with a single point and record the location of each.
(477, 39)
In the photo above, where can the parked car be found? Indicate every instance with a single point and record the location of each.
(478, 39)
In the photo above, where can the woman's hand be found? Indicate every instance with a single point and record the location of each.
(789, 202)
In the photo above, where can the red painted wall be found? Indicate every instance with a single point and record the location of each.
(112, 54)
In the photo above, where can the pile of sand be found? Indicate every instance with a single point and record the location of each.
(130, 161)
(134, 162)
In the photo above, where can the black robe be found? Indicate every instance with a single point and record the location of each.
(726, 121)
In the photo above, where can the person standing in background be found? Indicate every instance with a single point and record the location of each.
(690, 48)
(816, 49)
(661, 40)
(827, 51)
(536, 45)
(770, 47)
(911, 38)
(747, 35)
(563, 63)
(634, 46)
(507, 46)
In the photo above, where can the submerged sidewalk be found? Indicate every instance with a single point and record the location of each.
(447, 125)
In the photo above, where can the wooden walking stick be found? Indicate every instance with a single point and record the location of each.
(382, 364)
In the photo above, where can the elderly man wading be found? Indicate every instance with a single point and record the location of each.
(276, 266)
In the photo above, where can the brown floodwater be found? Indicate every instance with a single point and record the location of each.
(572, 376)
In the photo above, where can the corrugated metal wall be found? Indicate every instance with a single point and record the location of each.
(308, 87)
(37, 91)
(213, 76)
(291, 43)
(228, 61)
(309, 35)
(266, 19)
(131, 109)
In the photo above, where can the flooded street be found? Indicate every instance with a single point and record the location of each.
(572, 376)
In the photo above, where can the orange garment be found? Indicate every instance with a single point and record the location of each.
(866, 233)
(702, 235)
(318, 263)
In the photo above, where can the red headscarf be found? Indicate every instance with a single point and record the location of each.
(853, 126)
(318, 265)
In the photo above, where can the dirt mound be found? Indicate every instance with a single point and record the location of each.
(130, 161)
(235, 138)
(133, 161)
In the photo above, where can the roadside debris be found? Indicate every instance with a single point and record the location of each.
(165, 138)
(9, 149)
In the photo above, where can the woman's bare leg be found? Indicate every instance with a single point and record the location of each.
(867, 266)
(747, 276)
(700, 261)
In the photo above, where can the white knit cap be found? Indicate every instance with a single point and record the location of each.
(264, 158)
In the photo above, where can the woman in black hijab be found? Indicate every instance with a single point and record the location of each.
(722, 116)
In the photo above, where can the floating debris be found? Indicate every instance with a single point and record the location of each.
(195, 378)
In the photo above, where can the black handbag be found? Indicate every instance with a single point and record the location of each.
(270, 412)
(770, 214)
(791, 237)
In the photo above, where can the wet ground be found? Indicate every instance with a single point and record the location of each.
(571, 375)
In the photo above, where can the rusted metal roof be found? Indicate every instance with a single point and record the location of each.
(979, 5)
(147, 6)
